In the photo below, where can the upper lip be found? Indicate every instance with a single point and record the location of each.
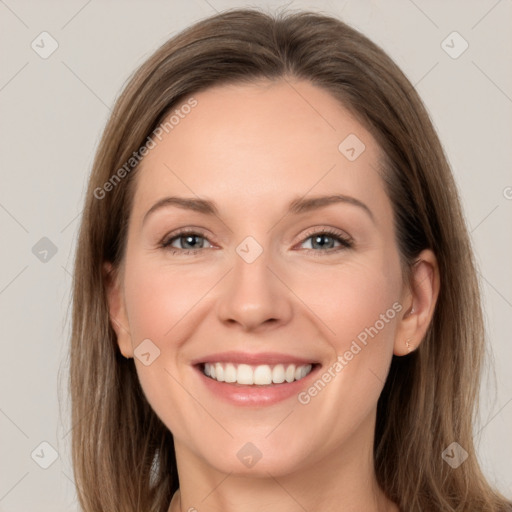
(270, 358)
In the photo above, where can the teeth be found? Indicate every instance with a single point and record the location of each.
(289, 374)
(230, 373)
(244, 374)
(278, 374)
(261, 375)
(219, 372)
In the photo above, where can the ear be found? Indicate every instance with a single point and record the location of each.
(117, 309)
(419, 300)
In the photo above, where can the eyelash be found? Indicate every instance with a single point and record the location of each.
(345, 241)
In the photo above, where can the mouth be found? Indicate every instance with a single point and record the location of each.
(256, 375)
(243, 379)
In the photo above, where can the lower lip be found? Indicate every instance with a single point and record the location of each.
(254, 395)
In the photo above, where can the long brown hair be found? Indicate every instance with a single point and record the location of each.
(123, 455)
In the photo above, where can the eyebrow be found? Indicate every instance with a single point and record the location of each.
(299, 205)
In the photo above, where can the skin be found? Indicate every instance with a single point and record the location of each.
(252, 149)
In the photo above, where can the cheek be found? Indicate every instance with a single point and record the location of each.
(353, 299)
(159, 298)
(360, 306)
(159, 301)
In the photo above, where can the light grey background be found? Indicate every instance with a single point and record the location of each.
(53, 111)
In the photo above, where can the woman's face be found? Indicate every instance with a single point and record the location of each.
(255, 287)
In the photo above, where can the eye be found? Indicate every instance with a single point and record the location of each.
(191, 242)
(326, 239)
(185, 242)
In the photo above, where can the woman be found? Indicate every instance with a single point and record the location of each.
(275, 299)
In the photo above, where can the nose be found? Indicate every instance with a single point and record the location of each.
(254, 296)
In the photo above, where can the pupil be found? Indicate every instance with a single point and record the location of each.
(190, 239)
(319, 238)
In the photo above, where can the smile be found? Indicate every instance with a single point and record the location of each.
(260, 375)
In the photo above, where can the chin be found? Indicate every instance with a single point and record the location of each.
(256, 458)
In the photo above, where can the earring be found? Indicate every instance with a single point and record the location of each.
(408, 343)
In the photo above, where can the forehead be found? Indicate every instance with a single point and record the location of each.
(273, 140)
